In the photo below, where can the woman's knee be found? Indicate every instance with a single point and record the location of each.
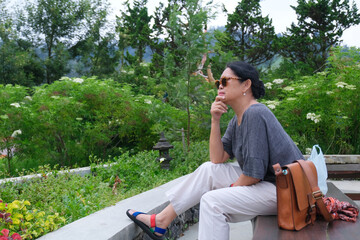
(207, 166)
(208, 200)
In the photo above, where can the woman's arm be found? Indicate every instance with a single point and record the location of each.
(244, 180)
(217, 153)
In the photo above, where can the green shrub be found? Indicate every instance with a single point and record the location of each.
(29, 223)
(57, 197)
(323, 108)
(142, 172)
(65, 122)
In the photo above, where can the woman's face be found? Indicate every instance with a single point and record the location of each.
(232, 88)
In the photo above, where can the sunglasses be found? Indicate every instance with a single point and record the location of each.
(223, 81)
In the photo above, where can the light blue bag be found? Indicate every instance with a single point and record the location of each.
(319, 161)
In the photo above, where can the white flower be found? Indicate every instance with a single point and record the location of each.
(329, 92)
(268, 85)
(123, 71)
(64, 78)
(313, 117)
(28, 98)
(16, 132)
(291, 99)
(55, 97)
(79, 119)
(351, 87)
(310, 115)
(147, 101)
(341, 84)
(162, 159)
(278, 81)
(78, 80)
(146, 77)
(296, 143)
(17, 105)
(271, 106)
(131, 72)
(288, 88)
(308, 151)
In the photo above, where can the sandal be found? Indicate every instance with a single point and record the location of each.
(148, 230)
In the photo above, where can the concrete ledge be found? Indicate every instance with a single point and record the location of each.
(112, 223)
(338, 159)
(79, 171)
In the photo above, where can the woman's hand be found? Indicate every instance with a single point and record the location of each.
(244, 180)
(218, 108)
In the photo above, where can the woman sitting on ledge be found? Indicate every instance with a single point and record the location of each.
(229, 193)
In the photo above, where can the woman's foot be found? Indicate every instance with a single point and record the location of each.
(151, 224)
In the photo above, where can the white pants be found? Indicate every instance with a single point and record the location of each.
(220, 204)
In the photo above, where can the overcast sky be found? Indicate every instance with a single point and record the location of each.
(279, 11)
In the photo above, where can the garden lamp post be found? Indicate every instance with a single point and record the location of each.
(163, 146)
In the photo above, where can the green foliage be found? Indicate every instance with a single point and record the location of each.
(65, 122)
(19, 63)
(320, 26)
(250, 36)
(29, 223)
(13, 101)
(324, 108)
(186, 26)
(142, 172)
(56, 196)
(59, 21)
(95, 53)
(134, 30)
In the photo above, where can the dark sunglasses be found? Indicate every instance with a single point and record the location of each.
(223, 81)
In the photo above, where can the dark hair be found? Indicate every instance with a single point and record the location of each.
(246, 71)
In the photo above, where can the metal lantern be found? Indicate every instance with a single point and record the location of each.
(163, 146)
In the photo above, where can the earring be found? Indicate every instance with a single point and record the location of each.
(244, 93)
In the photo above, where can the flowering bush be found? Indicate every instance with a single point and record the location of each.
(324, 108)
(16, 217)
(65, 122)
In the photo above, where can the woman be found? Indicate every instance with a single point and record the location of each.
(255, 138)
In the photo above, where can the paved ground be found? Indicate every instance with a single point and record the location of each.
(244, 229)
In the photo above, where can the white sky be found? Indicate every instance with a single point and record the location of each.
(279, 11)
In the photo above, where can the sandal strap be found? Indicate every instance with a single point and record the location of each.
(160, 230)
(152, 221)
(153, 225)
(137, 213)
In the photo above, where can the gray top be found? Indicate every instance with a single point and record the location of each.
(259, 142)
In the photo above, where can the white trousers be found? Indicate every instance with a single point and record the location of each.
(220, 204)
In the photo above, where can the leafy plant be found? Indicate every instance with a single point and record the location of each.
(322, 108)
(29, 223)
(5, 235)
(57, 198)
